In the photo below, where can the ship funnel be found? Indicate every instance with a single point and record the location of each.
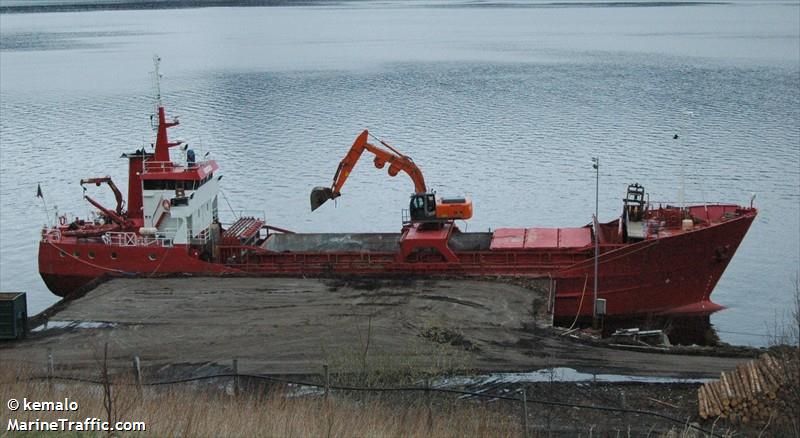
(319, 195)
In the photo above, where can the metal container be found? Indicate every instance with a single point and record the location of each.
(601, 306)
(13, 315)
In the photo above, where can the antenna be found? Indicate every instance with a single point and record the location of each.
(157, 81)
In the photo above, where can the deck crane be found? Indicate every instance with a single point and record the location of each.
(117, 215)
(424, 207)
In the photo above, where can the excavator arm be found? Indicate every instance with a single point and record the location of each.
(107, 180)
(397, 162)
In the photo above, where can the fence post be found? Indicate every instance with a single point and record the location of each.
(429, 403)
(137, 372)
(50, 367)
(327, 379)
(236, 377)
(525, 411)
(50, 363)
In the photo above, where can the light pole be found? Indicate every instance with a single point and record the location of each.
(596, 166)
(682, 150)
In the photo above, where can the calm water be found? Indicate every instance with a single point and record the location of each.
(505, 102)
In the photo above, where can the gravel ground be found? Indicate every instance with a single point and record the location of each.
(291, 326)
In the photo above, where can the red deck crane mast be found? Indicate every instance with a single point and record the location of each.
(117, 215)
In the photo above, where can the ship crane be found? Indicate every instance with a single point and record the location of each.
(424, 207)
(117, 215)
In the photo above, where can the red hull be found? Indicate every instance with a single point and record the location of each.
(672, 275)
(669, 276)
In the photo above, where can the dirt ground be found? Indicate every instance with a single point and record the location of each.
(292, 326)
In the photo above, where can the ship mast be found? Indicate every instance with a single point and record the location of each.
(162, 141)
(157, 81)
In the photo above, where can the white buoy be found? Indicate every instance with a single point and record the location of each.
(148, 231)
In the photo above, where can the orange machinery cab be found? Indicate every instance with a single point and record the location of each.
(427, 207)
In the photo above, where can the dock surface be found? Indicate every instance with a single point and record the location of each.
(292, 326)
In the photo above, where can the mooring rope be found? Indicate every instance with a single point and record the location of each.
(86, 262)
(580, 305)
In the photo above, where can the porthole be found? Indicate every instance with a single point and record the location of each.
(113, 256)
(151, 256)
(76, 253)
(62, 253)
(91, 254)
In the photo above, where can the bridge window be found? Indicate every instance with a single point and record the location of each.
(155, 184)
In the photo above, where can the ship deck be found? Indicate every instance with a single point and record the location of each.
(364, 242)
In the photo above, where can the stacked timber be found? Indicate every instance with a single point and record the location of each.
(750, 393)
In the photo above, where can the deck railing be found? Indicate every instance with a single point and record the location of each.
(163, 166)
(202, 237)
(124, 238)
(165, 238)
(159, 166)
(51, 234)
(229, 217)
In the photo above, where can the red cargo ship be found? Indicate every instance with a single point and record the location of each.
(653, 260)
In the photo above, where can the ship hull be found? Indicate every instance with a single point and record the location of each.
(63, 284)
(71, 266)
(673, 275)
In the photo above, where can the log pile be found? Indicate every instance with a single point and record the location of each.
(748, 394)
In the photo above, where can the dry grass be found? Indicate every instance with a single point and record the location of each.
(785, 346)
(211, 410)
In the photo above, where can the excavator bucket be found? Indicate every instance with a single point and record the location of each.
(319, 195)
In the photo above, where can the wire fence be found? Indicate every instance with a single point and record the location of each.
(524, 399)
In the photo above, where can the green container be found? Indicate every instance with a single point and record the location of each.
(13, 315)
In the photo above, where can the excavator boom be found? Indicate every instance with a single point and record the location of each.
(397, 162)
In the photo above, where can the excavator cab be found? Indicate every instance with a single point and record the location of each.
(422, 207)
(426, 207)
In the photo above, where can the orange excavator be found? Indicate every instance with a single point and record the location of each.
(425, 207)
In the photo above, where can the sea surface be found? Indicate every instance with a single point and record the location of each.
(503, 101)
